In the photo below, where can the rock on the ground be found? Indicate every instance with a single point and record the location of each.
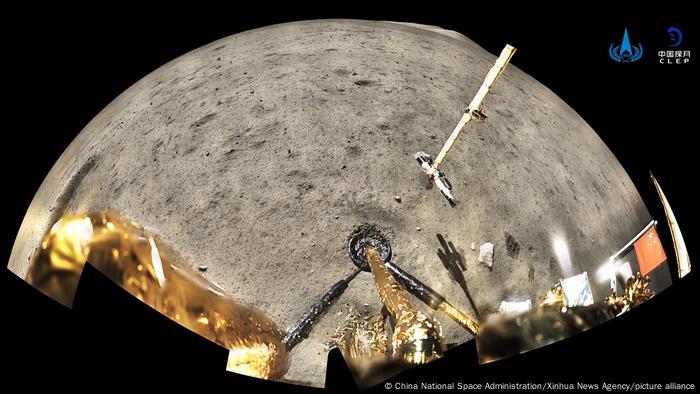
(486, 254)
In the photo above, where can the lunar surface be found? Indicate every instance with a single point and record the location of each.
(258, 154)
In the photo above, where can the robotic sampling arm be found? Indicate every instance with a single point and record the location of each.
(473, 112)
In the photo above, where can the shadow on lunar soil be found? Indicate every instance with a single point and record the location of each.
(454, 263)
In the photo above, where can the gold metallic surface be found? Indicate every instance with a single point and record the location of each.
(364, 344)
(636, 292)
(144, 267)
(554, 298)
(417, 337)
(505, 335)
(460, 317)
(637, 289)
(361, 338)
(682, 258)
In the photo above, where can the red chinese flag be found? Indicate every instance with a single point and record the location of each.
(650, 253)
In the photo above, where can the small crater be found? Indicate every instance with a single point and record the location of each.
(364, 82)
(203, 120)
(118, 190)
(504, 113)
(258, 144)
(353, 151)
(305, 187)
(512, 246)
(190, 149)
(70, 189)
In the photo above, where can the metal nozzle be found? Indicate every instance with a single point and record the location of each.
(364, 236)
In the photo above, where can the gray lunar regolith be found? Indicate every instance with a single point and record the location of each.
(257, 155)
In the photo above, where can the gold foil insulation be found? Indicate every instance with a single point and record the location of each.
(361, 338)
(505, 335)
(554, 298)
(551, 320)
(417, 337)
(363, 341)
(141, 265)
(636, 292)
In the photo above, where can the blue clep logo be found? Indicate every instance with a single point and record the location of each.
(625, 52)
(675, 36)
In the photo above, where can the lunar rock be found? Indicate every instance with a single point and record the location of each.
(232, 150)
(486, 254)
